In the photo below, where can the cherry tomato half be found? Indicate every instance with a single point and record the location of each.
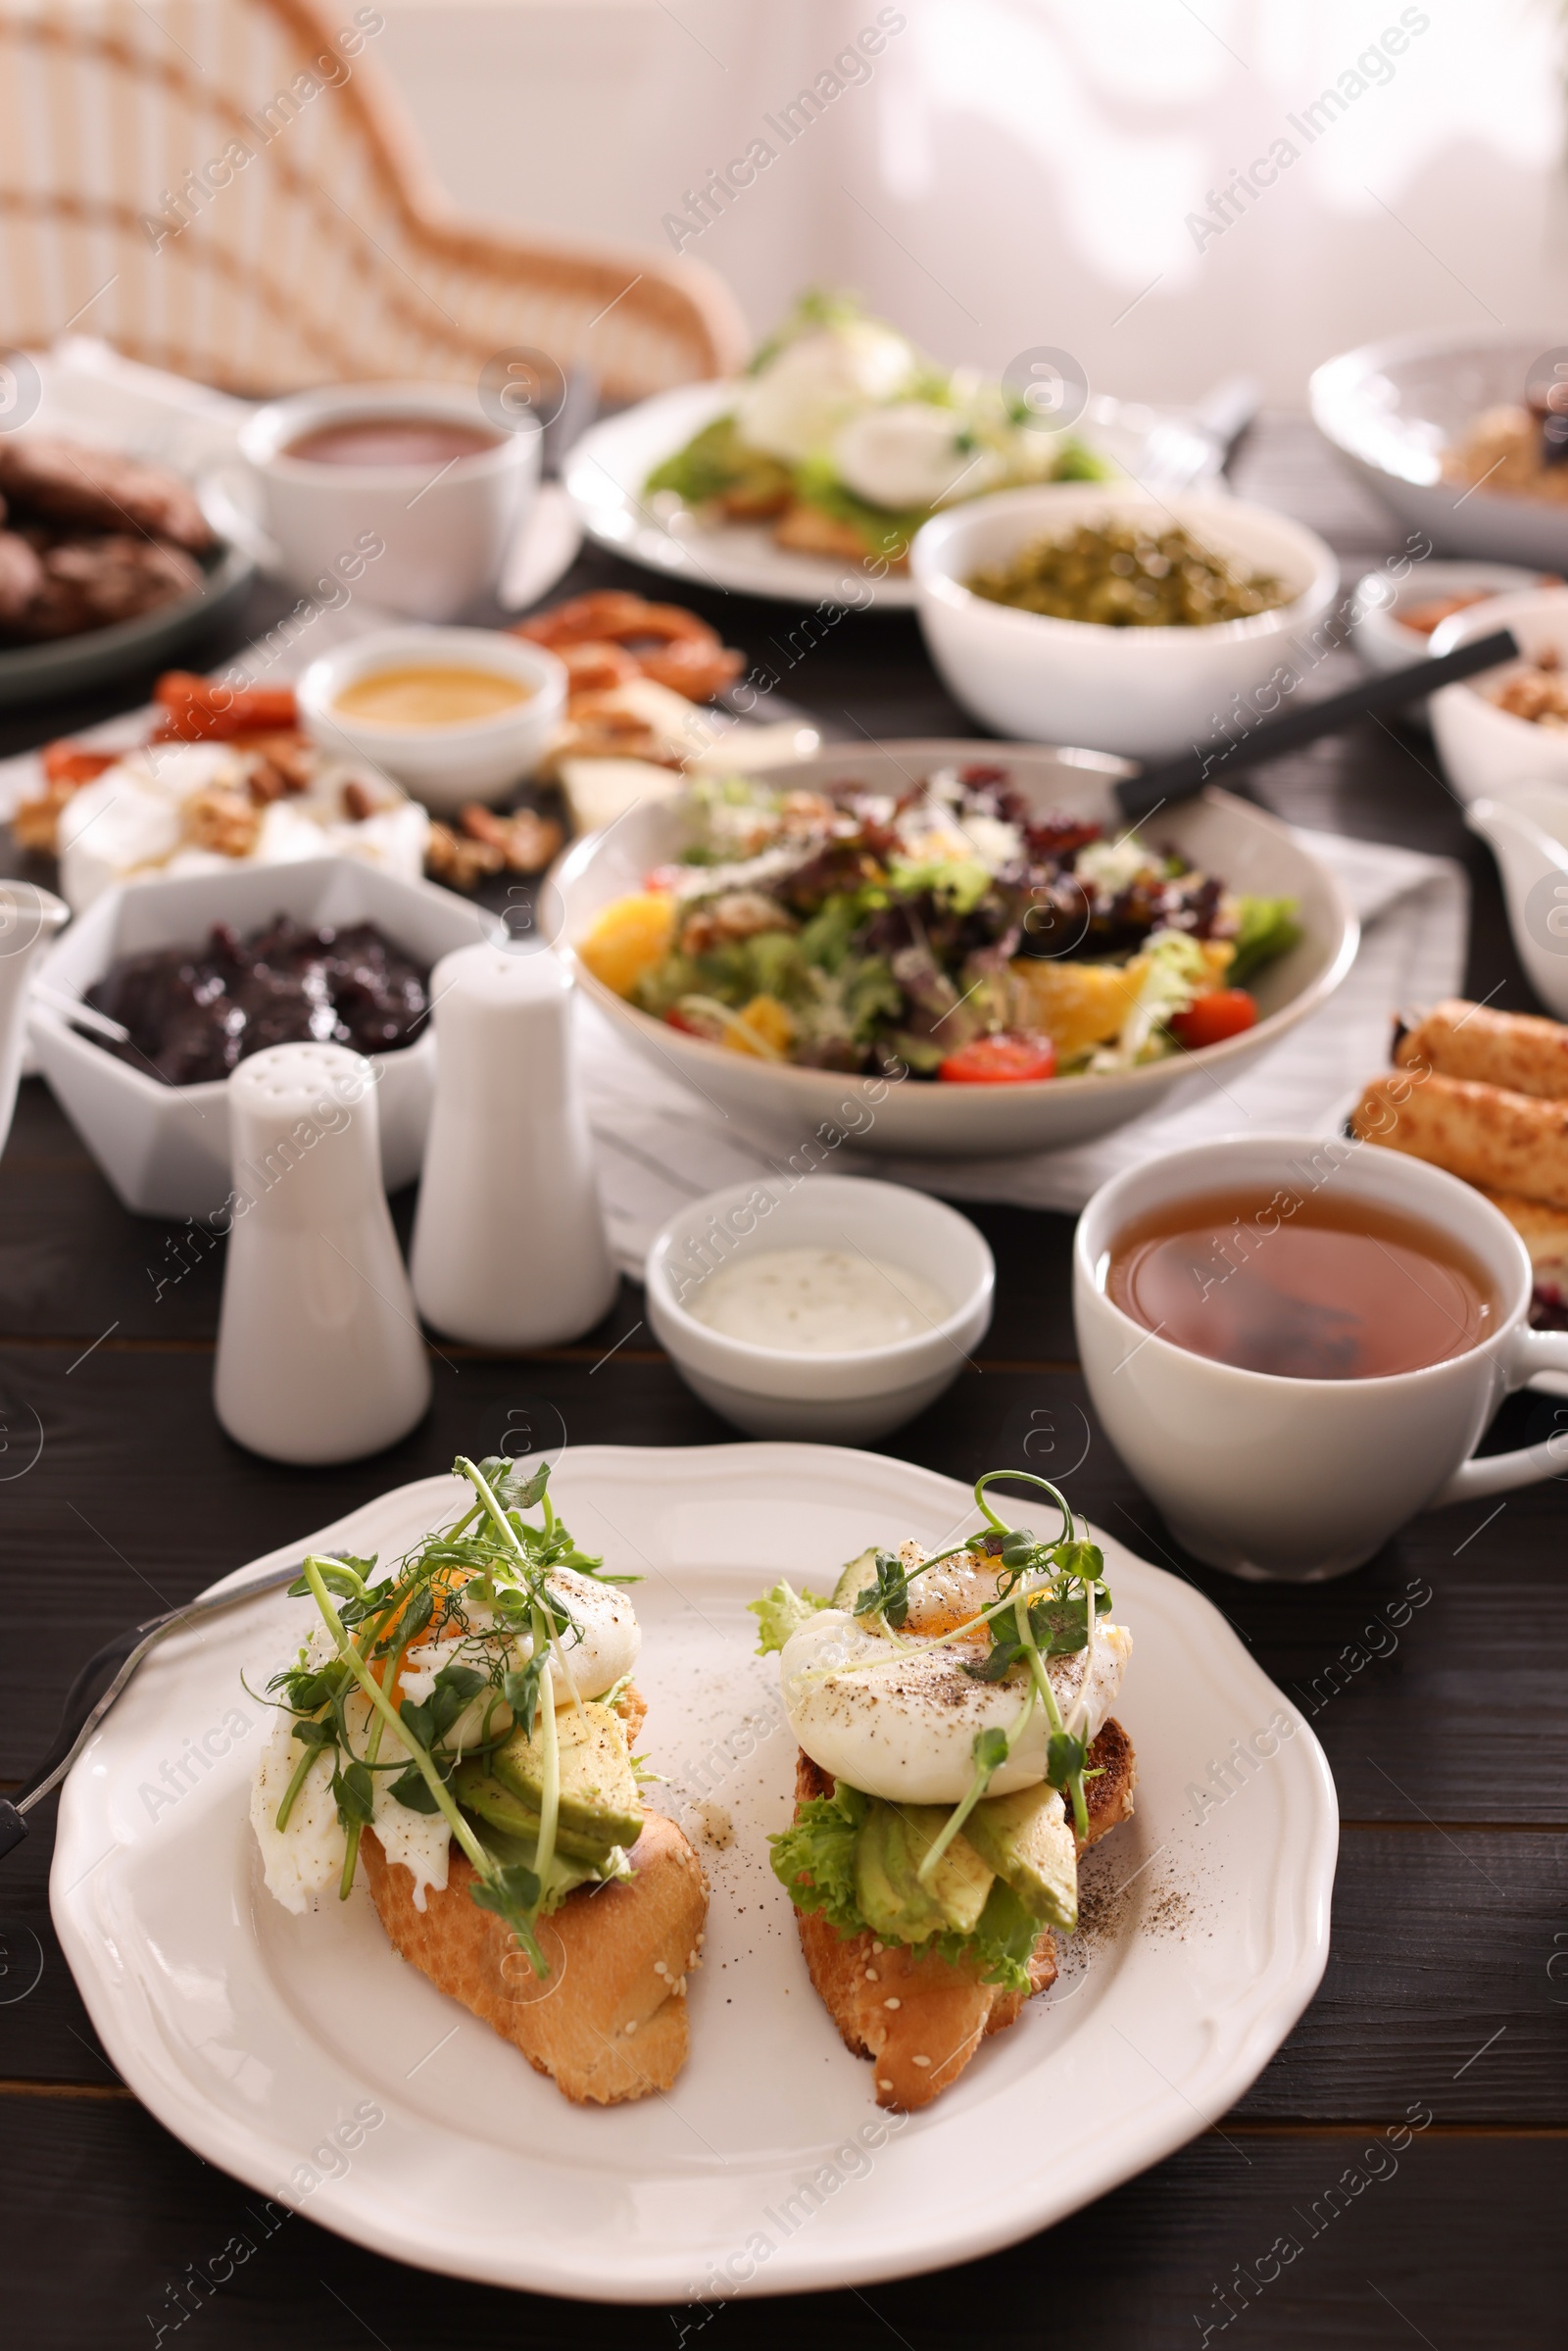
(1006, 1060)
(1210, 1019)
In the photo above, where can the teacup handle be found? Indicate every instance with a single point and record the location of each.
(1533, 1353)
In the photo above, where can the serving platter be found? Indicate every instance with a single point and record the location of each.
(610, 464)
(302, 2055)
(96, 657)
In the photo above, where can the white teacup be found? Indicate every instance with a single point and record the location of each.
(1295, 1478)
(427, 540)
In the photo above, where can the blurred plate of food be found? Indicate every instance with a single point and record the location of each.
(806, 478)
(107, 565)
(216, 771)
(1462, 436)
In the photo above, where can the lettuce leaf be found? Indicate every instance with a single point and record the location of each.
(814, 1859)
(1268, 928)
(781, 1612)
(717, 460)
(1003, 1939)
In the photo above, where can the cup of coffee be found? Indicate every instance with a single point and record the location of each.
(1296, 1343)
(411, 487)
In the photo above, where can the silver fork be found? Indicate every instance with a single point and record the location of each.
(82, 1714)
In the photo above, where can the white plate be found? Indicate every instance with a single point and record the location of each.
(609, 466)
(253, 2034)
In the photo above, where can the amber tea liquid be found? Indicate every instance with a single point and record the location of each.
(1309, 1286)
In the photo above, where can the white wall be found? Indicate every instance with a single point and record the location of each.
(1019, 172)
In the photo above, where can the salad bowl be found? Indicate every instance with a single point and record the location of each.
(1224, 837)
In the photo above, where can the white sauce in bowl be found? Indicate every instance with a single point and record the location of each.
(819, 1301)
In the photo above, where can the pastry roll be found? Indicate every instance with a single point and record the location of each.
(1515, 1049)
(1494, 1138)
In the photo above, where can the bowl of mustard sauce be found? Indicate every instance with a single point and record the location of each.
(453, 714)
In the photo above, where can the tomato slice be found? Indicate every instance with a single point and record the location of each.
(1004, 1060)
(1210, 1019)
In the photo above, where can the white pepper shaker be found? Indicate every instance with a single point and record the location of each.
(509, 1247)
(319, 1353)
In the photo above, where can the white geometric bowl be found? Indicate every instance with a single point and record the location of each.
(164, 1148)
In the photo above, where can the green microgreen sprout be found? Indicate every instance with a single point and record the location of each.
(1050, 1595)
(492, 1563)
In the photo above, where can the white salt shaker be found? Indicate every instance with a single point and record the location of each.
(319, 1353)
(509, 1247)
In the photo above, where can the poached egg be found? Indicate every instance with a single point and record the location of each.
(305, 1858)
(898, 1718)
(794, 405)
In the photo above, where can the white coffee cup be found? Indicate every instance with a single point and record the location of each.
(1292, 1478)
(427, 540)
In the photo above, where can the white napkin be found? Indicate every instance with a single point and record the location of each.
(661, 1145)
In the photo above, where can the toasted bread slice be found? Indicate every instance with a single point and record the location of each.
(805, 530)
(920, 2019)
(610, 2020)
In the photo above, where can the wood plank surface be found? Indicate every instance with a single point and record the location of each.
(1434, 1678)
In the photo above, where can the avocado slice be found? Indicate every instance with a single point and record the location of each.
(893, 1842)
(494, 1803)
(567, 1871)
(599, 1798)
(858, 1577)
(1025, 1838)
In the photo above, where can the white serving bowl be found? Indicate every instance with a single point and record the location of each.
(843, 1398)
(1377, 630)
(164, 1148)
(1485, 751)
(1393, 408)
(1224, 836)
(442, 765)
(1145, 692)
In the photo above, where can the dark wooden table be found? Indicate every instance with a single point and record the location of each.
(1446, 1992)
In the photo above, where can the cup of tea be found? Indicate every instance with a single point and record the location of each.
(1296, 1344)
(411, 488)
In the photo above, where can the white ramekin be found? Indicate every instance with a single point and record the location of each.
(845, 1399)
(442, 765)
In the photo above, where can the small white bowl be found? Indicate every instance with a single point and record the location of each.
(164, 1148)
(843, 1398)
(1485, 751)
(443, 765)
(1379, 635)
(1146, 692)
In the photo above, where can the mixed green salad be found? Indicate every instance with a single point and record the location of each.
(849, 438)
(946, 931)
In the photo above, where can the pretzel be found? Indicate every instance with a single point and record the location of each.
(596, 666)
(668, 644)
